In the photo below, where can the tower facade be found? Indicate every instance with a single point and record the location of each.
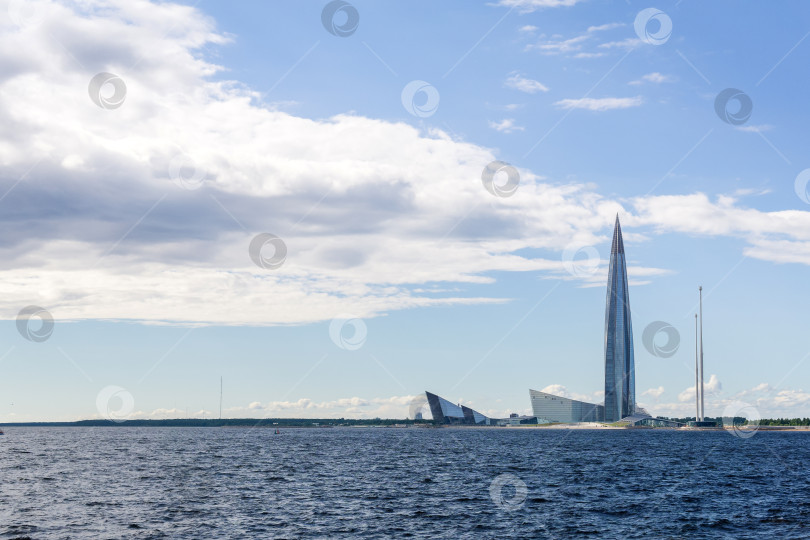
(620, 369)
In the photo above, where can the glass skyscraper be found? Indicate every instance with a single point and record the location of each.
(620, 369)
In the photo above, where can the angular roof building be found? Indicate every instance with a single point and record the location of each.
(446, 412)
(620, 369)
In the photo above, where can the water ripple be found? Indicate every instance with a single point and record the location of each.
(380, 483)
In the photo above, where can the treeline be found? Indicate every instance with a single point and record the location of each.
(225, 422)
(719, 420)
(785, 422)
(741, 421)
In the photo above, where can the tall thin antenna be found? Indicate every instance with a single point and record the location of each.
(702, 385)
(220, 397)
(697, 390)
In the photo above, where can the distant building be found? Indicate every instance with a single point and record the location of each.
(446, 412)
(702, 424)
(515, 420)
(620, 369)
(417, 416)
(553, 408)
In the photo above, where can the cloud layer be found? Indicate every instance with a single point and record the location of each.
(146, 211)
(761, 401)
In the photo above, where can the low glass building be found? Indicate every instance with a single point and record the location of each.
(553, 408)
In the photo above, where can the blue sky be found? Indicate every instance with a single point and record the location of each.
(130, 224)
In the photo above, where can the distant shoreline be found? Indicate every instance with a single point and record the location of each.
(309, 423)
(229, 422)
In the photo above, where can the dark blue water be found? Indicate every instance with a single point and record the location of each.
(380, 483)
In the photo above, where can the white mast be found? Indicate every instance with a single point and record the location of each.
(702, 386)
(697, 388)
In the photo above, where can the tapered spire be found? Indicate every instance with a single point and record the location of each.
(618, 243)
(620, 371)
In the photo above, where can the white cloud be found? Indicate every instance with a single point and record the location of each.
(761, 401)
(559, 46)
(527, 28)
(711, 386)
(602, 27)
(530, 86)
(562, 391)
(654, 392)
(791, 398)
(160, 413)
(744, 192)
(627, 44)
(353, 407)
(507, 125)
(504, 413)
(655, 78)
(779, 251)
(771, 402)
(778, 236)
(755, 129)
(599, 104)
(336, 190)
(397, 407)
(361, 203)
(531, 5)
(556, 389)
